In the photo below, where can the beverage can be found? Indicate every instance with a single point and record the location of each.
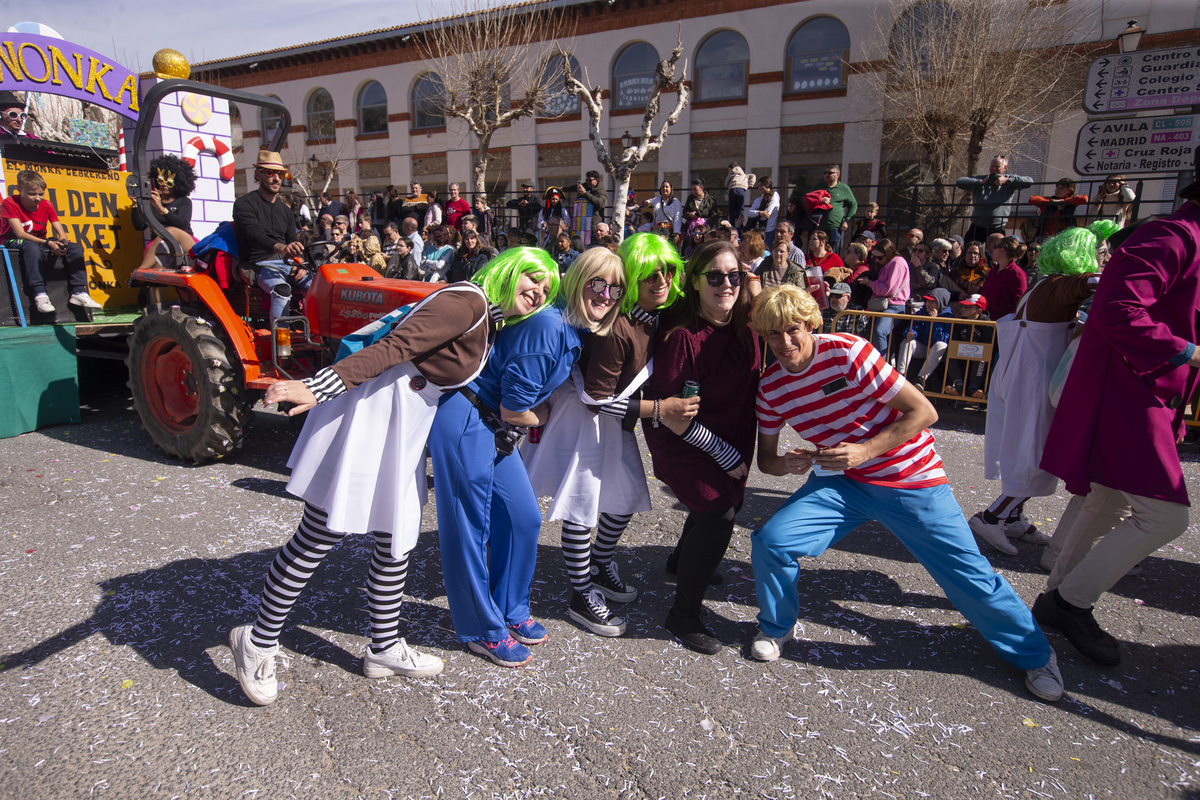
(691, 389)
(535, 435)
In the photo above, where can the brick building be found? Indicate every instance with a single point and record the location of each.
(778, 85)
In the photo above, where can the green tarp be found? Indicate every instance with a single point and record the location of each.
(39, 378)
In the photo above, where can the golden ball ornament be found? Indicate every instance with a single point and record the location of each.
(170, 63)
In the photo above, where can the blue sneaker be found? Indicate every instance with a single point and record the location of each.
(506, 653)
(529, 632)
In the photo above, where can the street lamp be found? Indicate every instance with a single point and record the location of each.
(626, 140)
(1128, 39)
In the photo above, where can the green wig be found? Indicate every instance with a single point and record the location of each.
(643, 254)
(1073, 252)
(498, 278)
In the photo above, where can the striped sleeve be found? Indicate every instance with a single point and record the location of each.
(325, 385)
(722, 452)
(770, 421)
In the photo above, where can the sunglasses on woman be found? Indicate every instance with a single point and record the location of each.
(599, 286)
(715, 279)
(664, 275)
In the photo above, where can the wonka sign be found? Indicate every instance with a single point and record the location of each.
(30, 63)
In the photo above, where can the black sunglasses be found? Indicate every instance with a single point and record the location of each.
(598, 285)
(715, 279)
(665, 275)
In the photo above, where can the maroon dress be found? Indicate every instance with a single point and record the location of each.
(727, 370)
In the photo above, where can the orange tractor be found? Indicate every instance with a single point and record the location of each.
(204, 349)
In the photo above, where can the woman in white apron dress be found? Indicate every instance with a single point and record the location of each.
(587, 458)
(359, 463)
(1032, 341)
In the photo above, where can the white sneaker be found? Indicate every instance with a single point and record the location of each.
(83, 299)
(1021, 528)
(400, 659)
(42, 303)
(1046, 682)
(1049, 558)
(769, 648)
(255, 666)
(992, 534)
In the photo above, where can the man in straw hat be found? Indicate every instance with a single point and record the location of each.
(266, 234)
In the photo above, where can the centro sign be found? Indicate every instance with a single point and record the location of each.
(1150, 79)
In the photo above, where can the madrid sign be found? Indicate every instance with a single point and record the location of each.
(1137, 144)
(1142, 80)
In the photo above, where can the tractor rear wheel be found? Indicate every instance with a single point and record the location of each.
(188, 394)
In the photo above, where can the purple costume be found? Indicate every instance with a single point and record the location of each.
(1129, 385)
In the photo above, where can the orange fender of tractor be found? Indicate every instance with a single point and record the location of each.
(239, 334)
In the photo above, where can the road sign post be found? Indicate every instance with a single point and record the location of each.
(1143, 80)
(1137, 144)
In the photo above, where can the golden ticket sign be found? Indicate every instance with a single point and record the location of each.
(97, 212)
(32, 63)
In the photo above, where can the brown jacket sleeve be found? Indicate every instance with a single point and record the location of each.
(605, 363)
(445, 317)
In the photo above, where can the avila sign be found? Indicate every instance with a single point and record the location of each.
(30, 63)
(1148, 79)
(1137, 144)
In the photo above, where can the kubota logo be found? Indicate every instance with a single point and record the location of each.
(374, 298)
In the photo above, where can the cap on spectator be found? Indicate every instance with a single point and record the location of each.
(958, 239)
(867, 235)
(840, 288)
(975, 300)
(526, 185)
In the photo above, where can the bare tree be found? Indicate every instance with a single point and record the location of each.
(963, 75)
(481, 57)
(649, 142)
(314, 175)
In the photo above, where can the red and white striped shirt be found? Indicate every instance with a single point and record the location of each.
(842, 397)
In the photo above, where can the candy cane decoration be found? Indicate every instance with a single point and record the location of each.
(199, 144)
(121, 149)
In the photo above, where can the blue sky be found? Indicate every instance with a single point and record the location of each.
(132, 31)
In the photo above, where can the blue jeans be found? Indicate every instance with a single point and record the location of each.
(488, 524)
(31, 260)
(272, 278)
(835, 239)
(883, 329)
(928, 522)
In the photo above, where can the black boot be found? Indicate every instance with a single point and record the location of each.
(1079, 626)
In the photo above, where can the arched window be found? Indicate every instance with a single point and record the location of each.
(269, 120)
(917, 38)
(633, 75)
(372, 108)
(816, 56)
(320, 115)
(722, 67)
(427, 96)
(235, 128)
(559, 101)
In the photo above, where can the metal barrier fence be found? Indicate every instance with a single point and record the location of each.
(966, 355)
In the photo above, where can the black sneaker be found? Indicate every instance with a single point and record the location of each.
(717, 578)
(1079, 626)
(608, 581)
(692, 633)
(588, 609)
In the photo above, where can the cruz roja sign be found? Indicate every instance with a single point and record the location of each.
(1149, 79)
(1137, 144)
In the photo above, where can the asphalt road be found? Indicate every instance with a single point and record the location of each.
(124, 571)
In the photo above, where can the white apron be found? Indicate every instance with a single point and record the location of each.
(1018, 410)
(585, 461)
(361, 455)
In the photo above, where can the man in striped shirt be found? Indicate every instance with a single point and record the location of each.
(872, 458)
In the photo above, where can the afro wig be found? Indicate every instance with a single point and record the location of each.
(185, 177)
(1073, 252)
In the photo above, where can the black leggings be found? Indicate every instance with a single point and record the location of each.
(701, 549)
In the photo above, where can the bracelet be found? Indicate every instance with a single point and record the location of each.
(750, 276)
(657, 416)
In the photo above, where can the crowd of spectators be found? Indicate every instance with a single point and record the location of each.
(820, 239)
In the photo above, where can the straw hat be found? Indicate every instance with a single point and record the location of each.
(269, 159)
